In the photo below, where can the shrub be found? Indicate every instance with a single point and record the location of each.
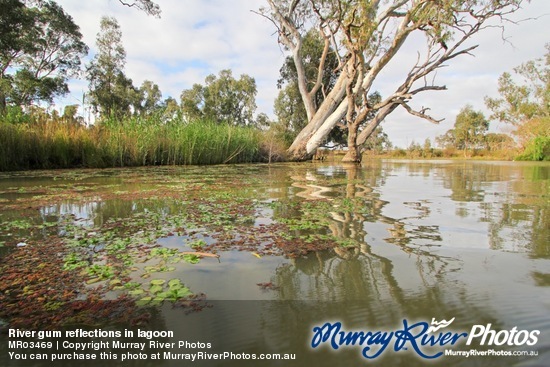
(538, 149)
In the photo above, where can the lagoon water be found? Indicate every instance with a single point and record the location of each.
(440, 240)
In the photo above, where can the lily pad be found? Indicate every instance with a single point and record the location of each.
(143, 301)
(191, 259)
(136, 292)
(155, 289)
(174, 283)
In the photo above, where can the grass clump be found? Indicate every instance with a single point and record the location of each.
(55, 143)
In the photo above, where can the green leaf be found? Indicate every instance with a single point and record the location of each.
(158, 300)
(143, 301)
(183, 292)
(192, 259)
(155, 289)
(174, 283)
(136, 292)
(163, 295)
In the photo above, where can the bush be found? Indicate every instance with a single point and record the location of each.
(538, 149)
(398, 153)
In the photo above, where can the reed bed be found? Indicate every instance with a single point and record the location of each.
(132, 142)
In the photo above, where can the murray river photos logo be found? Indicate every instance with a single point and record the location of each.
(428, 341)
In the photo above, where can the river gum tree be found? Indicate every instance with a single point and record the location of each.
(366, 36)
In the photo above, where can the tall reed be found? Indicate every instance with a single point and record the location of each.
(132, 142)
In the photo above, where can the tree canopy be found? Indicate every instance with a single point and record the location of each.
(222, 99)
(111, 91)
(40, 48)
(523, 101)
(469, 130)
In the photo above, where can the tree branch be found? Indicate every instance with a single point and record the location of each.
(321, 68)
(421, 113)
(147, 6)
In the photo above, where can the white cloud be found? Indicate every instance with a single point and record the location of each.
(194, 38)
(191, 40)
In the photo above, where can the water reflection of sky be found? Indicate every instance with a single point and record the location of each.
(83, 214)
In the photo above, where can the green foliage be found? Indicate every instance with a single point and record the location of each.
(414, 150)
(100, 272)
(111, 92)
(470, 128)
(15, 18)
(150, 96)
(378, 142)
(526, 105)
(160, 291)
(537, 150)
(521, 102)
(163, 252)
(16, 115)
(40, 48)
(222, 99)
(191, 259)
(290, 111)
(198, 244)
(469, 131)
(74, 261)
(131, 142)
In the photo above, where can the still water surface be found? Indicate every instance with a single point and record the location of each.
(431, 239)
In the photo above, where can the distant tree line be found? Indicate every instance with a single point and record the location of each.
(41, 47)
(223, 98)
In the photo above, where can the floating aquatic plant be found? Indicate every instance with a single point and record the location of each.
(119, 250)
(159, 291)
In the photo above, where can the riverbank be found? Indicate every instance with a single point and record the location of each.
(433, 154)
(133, 142)
(57, 143)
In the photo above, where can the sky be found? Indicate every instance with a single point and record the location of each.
(195, 38)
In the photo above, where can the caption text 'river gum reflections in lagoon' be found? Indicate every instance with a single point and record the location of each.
(290, 246)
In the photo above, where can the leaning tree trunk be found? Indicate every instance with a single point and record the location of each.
(329, 113)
